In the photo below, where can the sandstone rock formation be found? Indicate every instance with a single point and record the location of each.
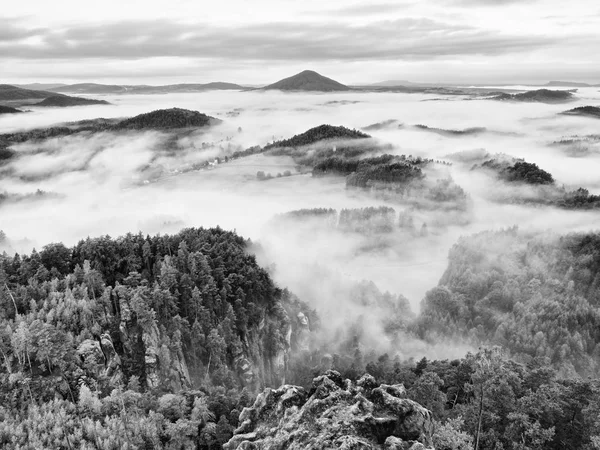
(336, 413)
(101, 358)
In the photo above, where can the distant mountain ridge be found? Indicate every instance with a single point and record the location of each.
(19, 96)
(570, 84)
(39, 86)
(13, 93)
(308, 80)
(96, 88)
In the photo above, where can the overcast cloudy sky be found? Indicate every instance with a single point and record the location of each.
(260, 41)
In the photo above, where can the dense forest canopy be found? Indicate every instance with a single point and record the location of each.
(158, 323)
(156, 315)
(518, 171)
(162, 341)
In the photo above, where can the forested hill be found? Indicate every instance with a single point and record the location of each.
(160, 119)
(63, 101)
(14, 93)
(167, 118)
(320, 133)
(9, 110)
(539, 297)
(32, 96)
(587, 111)
(539, 95)
(156, 314)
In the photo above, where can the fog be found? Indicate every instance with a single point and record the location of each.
(114, 183)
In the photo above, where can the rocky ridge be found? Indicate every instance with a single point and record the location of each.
(335, 413)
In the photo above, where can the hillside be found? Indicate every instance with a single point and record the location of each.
(167, 118)
(17, 95)
(320, 133)
(11, 93)
(9, 110)
(63, 101)
(539, 95)
(162, 119)
(587, 111)
(537, 296)
(160, 315)
(308, 80)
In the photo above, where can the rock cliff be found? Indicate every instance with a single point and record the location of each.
(261, 360)
(335, 413)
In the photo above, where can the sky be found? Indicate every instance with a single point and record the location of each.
(261, 41)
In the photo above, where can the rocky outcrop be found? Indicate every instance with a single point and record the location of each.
(302, 334)
(261, 358)
(335, 413)
(149, 352)
(284, 333)
(101, 358)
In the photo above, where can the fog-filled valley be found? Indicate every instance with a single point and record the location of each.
(151, 181)
(187, 250)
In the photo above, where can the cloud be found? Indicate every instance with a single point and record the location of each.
(398, 39)
(490, 2)
(10, 33)
(369, 9)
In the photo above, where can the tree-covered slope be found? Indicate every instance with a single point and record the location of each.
(165, 314)
(14, 93)
(64, 101)
(23, 96)
(586, 111)
(539, 297)
(538, 95)
(320, 133)
(9, 110)
(162, 119)
(167, 118)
